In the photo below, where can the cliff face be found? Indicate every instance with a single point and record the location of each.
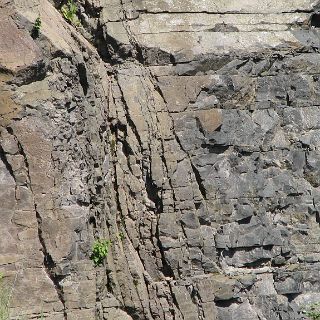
(187, 133)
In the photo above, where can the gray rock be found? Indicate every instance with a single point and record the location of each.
(186, 133)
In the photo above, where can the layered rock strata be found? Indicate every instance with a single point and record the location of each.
(185, 132)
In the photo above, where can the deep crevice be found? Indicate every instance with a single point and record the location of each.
(199, 180)
(245, 220)
(214, 148)
(258, 263)
(82, 71)
(47, 259)
(152, 191)
(315, 20)
(291, 296)
(225, 303)
(109, 49)
(132, 312)
(5, 161)
(50, 265)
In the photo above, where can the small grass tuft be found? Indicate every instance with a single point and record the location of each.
(312, 311)
(121, 236)
(69, 12)
(36, 28)
(99, 251)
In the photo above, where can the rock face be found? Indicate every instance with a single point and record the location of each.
(187, 133)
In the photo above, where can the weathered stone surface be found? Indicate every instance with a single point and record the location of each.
(17, 49)
(185, 132)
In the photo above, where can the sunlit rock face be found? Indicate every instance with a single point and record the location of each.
(186, 133)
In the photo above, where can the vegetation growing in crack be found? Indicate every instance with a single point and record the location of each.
(69, 12)
(135, 282)
(121, 236)
(312, 311)
(113, 146)
(100, 251)
(36, 28)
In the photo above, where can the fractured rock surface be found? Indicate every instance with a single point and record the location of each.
(187, 133)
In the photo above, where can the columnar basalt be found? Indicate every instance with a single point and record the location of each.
(184, 132)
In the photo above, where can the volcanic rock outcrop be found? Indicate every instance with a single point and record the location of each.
(185, 132)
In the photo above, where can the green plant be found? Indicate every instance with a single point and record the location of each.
(135, 282)
(99, 251)
(312, 311)
(113, 146)
(69, 12)
(36, 28)
(121, 235)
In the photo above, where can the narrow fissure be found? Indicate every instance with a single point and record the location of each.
(49, 265)
(5, 161)
(47, 259)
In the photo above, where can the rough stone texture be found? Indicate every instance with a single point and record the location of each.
(184, 131)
